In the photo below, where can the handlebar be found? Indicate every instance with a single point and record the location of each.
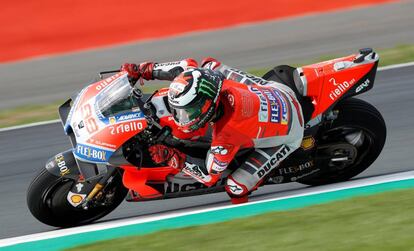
(164, 134)
(107, 72)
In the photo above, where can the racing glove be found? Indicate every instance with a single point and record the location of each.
(210, 63)
(163, 154)
(141, 71)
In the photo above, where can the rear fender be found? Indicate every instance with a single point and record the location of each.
(328, 82)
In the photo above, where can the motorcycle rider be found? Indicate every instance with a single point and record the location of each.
(244, 111)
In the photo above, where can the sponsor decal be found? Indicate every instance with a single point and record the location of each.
(175, 89)
(340, 88)
(217, 169)
(75, 199)
(79, 187)
(236, 77)
(220, 150)
(283, 101)
(275, 116)
(177, 187)
(126, 127)
(220, 163)
(104, 83)
(167, 64)
(207, 88)
(97, 142)
(304, 175)
(274, 161)
(307, 143)
(248, 77)
(180, 184)
(276, 179)
(128, 117)
(92, 153)
(263, 112)
(247, 106)
(219, 166)
(50, 165)
(196, 172)
(112, 120)
(60, 161)
(362, 86)
(295, 169)
(81, 125)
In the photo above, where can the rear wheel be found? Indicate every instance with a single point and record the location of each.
(47, 200)
(353, 141)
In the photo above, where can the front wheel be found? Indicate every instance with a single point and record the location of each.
(47, 200)
(359, 133)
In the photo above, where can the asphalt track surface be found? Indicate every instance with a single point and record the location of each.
(24, 151)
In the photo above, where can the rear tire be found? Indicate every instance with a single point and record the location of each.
(47, 201)
(358, 115)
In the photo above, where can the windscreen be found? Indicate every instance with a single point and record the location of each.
(116, 98)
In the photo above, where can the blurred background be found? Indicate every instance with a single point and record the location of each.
(50, 49)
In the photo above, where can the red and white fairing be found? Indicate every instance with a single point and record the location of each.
(327, 82)
(99, 129)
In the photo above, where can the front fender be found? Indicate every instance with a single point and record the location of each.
(63, 165)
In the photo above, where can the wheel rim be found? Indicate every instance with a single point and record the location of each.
(55, 198)
(339, 134)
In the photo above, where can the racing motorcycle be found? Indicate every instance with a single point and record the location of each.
(111, 124)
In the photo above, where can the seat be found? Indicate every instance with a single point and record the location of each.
(284, 74)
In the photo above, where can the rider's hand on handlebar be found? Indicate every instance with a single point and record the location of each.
(163, 154)
(141, 71)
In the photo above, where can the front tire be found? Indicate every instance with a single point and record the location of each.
(355, 116)
(47, 201)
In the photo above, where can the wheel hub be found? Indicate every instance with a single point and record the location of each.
(340, 155)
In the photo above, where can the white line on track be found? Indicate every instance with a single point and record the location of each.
(29, 125)
(384, 68)
(142, 219)
(395, 66)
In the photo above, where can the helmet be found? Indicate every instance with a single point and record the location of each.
(193, 96)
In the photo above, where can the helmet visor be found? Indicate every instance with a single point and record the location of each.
(190, 114)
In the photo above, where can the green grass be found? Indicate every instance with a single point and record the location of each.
(35, 113)
(379, 222)
(29, 114)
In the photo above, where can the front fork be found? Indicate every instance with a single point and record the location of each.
(97, 188)
(91, 180)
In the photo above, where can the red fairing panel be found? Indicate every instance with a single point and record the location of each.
(114, 136)
(136, 179)
(328, 81)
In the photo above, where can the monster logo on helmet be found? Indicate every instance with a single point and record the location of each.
(207, 88)
(192, 97)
